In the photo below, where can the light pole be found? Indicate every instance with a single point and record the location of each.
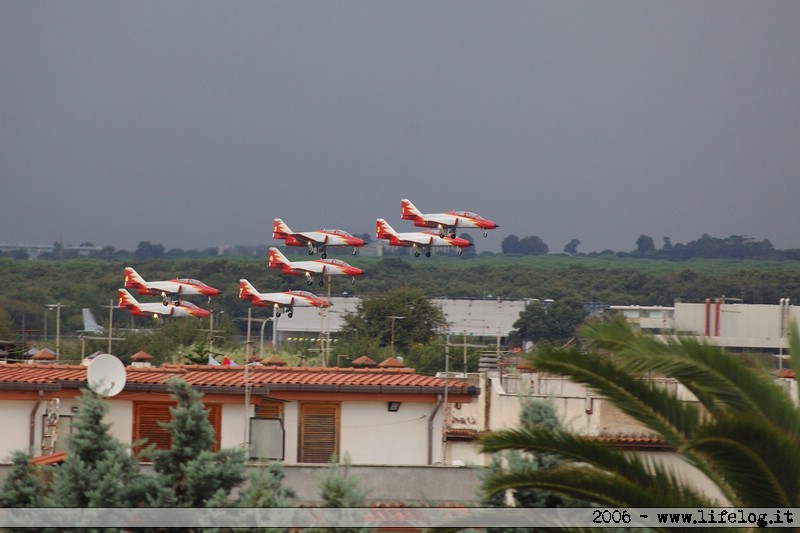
(57, 307)
(264, 323)
(46, 311)
(394, 318)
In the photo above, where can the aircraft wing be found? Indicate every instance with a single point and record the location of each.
(440, 219)
(155, 309)
(419, 239)
(312, 267)
(163, 286)
(272, 298)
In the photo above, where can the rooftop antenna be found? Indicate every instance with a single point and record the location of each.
(106, 375)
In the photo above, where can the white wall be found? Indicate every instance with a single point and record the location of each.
(16, 414)
(371, 434)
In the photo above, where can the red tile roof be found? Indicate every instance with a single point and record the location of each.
(230, 379)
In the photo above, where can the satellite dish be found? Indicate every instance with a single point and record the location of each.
(106, 375)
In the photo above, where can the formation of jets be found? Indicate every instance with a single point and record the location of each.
(442, 233)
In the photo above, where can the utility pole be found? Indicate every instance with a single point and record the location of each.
(394, 318)
(57, 307)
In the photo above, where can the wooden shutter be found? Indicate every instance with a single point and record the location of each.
(267, 408)
(146, 418)
(319, 432)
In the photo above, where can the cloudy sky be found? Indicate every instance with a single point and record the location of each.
(195, 123)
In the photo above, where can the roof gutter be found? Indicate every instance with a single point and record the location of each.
(439, 402)
(37, 403)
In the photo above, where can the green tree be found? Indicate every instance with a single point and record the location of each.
(549, 322)
(416, 319)
(190, 471)
(571, 247)
(645, 246)
(534, 414)
(98, 470)
(339, 489)
(23, 487)
(743, 434)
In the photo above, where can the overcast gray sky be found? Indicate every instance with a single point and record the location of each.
(195, 123)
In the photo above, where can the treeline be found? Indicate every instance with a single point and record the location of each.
(28, 286)
(706, 247)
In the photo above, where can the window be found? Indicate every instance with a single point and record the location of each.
(146, 418)
(267, 431)
(319, 432)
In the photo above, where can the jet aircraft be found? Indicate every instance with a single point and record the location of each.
(155, 309)
(315, 241)
(281, 301)
(445, 222)
(174, 287)
(315, 270)
(420, 241)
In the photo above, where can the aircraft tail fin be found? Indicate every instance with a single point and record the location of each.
(276, 258)
(90, 325)
(408, 211)
(133, 279)
(126, 300)
(279, 229)
(383, 230)
(246, 290)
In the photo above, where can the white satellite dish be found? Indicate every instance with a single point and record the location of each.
(106, 375)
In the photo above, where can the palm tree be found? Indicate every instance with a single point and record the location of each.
(742, 433)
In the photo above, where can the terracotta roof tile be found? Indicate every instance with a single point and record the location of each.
(401, 380)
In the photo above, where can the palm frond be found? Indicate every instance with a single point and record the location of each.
(794, 352)
(659, 410)
(720, 381)
(601, 487)
(718, 378)
(758, 461)
(567, 446)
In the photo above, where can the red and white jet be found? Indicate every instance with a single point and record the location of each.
(420, 241)
(156, 309)
(445, 222)
(175, 287)
(315, 241)
(281, 301)
(312, 270)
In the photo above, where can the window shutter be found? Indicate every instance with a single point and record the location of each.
(146, 425)
(319, 433)
(267, 408)
(146, 418)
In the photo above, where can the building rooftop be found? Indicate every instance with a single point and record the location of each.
(231, 379)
